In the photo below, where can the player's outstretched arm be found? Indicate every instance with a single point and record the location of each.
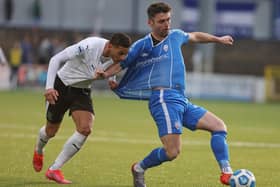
(228, 40)
(110, 71)
(202, 37)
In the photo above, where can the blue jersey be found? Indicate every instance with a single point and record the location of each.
(152, 66)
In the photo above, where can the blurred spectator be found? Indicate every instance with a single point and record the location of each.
(26, 48)
(45, 51)
(3, 60)
(8, 10)
(77, 37)
(58, 45)
(15, 62)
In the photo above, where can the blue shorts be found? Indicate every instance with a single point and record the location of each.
(171, 111)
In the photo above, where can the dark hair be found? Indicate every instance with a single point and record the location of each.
(121, 39)
(156, 8)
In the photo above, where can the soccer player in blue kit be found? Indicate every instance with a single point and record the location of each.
(156, 72)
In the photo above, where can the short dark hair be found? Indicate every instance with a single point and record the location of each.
(120, 39)
(156, 8)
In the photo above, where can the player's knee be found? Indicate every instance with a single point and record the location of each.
(218, 125)
(50, 134)
(173, 154)
(222, 126)
(84, 131)
(51, 129)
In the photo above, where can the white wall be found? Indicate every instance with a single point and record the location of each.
(4, 77)
(225, 87)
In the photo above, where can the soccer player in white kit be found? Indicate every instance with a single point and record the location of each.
(70, 88)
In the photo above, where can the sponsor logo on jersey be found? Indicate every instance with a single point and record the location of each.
(165, 47)
(144, 54)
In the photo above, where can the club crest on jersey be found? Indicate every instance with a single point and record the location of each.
(177, 125)
(165, 47)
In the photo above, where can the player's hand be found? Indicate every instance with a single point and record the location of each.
(51, 95)
(228, 40)
(99, 74)
(113, 84)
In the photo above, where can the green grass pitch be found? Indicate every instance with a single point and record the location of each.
(124, 132)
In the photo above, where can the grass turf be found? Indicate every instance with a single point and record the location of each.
(124, 132)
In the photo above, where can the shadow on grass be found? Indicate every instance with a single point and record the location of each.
(112, 186)
(13, 182)
(24, 182)
(52, 184)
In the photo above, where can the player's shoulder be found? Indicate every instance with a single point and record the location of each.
(143, 40)
(178, 35)
(142, 43)
(93, 40)
(92, 43)
(87, 44)
(177, 32)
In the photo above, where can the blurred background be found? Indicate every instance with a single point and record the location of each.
(31, 31)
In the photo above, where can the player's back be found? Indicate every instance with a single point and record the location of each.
(84, 57)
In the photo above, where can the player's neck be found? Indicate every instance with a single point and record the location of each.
(155, 39)
(106, 50)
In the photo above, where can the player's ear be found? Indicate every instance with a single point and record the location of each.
(110, 46)
(150, 21)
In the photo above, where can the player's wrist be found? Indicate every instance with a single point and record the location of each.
(50, 88)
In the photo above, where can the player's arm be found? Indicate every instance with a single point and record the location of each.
(51, 94)
(109, 74)
(201, 37)
(56, 61)
(133, 53)
(115, 68)
(112, 70)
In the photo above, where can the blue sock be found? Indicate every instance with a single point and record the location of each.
(155, 158)
(220, 149)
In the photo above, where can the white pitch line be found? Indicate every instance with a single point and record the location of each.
(149, 142)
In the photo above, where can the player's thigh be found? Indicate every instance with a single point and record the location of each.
(168, 117)
(83, 120)
(192, 115)
(82, 111)
(55, 115)
(211, 122)
(55, 112)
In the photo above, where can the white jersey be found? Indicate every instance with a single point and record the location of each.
(81, 61)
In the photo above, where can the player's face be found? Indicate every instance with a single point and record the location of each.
(118, 53)
(160, 24)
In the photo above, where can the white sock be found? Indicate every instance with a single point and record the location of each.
(227, 170)
(42, 140)
(71, 147)
(138, 168)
